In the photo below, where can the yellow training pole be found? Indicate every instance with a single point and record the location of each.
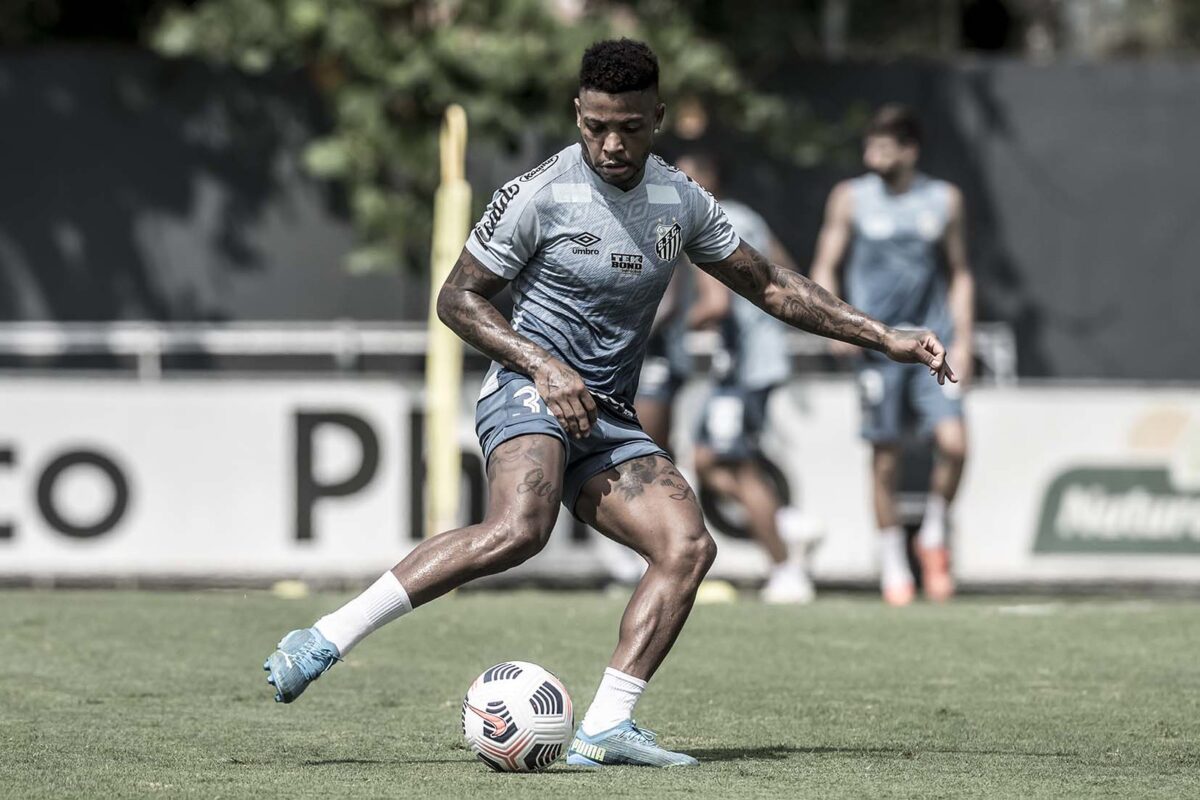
(443, 364)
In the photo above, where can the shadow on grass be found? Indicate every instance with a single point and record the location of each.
(778, 752)
(329, 762)
(769, 753)
(722, 754)
(558, 769)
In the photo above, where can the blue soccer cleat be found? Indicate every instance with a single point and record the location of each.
(625, 744)
(302, 657)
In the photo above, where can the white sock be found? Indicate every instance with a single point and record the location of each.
(614, 702)
(796, 528)
(933, 526)
(893, 558)
(788, 570)
(383, 601)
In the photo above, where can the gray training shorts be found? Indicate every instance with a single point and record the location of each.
(515, 409)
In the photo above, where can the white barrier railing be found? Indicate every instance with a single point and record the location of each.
(344, 342)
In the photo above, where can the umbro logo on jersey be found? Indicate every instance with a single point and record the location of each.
(627, 262)
(584, 242)
(669, 241)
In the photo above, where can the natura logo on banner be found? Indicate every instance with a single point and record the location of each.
(1136, 508)
(1118, 510)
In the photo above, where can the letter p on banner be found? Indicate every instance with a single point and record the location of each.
(309, 488)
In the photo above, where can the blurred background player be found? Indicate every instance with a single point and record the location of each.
(668, 363)
(691, 302)
(751, 362)
(899, 226)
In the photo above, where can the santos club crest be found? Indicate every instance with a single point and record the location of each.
(669, 239)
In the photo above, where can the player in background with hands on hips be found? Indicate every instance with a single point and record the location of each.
(907, 266)
(588, 241)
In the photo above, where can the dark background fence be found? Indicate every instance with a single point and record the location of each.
(139, 188)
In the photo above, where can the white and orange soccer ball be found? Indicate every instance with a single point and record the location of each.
(517, 717)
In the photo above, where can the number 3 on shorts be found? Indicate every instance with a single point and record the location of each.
(529, 398)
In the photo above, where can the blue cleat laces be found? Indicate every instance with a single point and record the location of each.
(302, 657)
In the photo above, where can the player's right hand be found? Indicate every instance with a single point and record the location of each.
(565, 395)
(919, 347)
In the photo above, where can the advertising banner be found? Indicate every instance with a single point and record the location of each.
(258, 479)
(1086, 483)
(201, 477)
(1094, 484)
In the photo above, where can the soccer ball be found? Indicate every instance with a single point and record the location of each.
(517, 717)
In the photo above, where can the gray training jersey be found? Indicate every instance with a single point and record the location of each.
(895, 273)
(589, 262)
(755, 341)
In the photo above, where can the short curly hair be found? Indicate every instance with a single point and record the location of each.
(897, 121)
(614, 66)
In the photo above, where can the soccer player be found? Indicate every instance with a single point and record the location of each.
(588, 239)
(753, 362)
(899, 226)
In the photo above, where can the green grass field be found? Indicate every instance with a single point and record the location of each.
(127, 694)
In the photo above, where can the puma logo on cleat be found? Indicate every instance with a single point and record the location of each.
(588, 750)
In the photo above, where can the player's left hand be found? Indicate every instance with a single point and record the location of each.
(919, 347)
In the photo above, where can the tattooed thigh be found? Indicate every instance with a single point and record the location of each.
(636, 476)
(524, 450)
(676, 485)
(640, 475)
(536, 482)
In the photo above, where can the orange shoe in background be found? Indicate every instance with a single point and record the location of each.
(935, 573)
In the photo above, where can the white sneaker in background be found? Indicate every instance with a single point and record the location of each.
(788, 585)
(624, 566)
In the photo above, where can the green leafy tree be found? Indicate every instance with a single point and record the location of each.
(389, 68)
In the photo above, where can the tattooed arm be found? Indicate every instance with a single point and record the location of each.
(465, 306)
(801, 303)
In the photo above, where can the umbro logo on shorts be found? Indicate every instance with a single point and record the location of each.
(584, 242)
(627, 262)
